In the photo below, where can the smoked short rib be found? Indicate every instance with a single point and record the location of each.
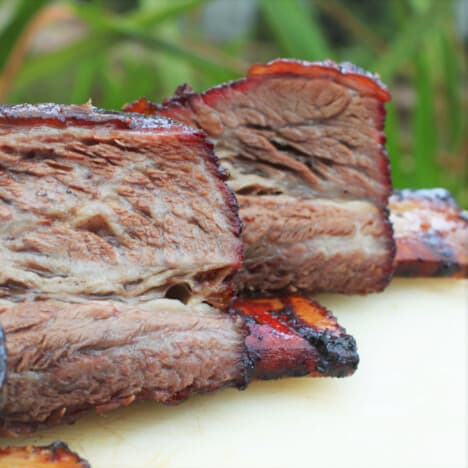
(118, 242)
(67, 359)
(431, 233)
(96, 204)
(304, 146)
(102, 214)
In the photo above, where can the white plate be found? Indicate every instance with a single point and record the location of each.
(406, 407)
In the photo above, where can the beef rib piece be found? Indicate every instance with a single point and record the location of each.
(99, 204)
(431, 233)
(118, 244)
(65, 359)
(304, 146)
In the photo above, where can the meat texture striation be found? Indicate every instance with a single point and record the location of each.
(99, 204)
(115, 231)
(304, 146)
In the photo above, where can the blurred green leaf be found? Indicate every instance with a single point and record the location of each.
(172, 71)
(162, 11)
(83, 82)
(392, 131)
(44, 65)
(424, 128)
(25, 11)
(398, 9)
(296, 29)
(113, 91)
(205, 63)
(98, 17)
(129, 28)
(350, 22)
(453, 99)
(407, 41)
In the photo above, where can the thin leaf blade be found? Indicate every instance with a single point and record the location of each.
(296, 31)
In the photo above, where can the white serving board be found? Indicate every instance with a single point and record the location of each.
(406, 407)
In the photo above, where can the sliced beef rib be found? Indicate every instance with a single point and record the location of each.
(64, 359)
(304, 147)
(118, 242)
(98, 204)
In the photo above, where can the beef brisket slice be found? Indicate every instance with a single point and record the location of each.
(303, 144)
(431, 233)
(99, 204)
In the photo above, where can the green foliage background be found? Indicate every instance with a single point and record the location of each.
(116, 51)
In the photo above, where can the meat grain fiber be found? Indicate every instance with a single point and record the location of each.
(304, 146)
(65, 359)
(98, 204)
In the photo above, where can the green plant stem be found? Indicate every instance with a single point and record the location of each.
(424, 126)
(295, 29)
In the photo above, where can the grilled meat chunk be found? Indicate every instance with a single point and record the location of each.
(56, 455)
(431, 233)
(96, 204)
(304, 147)
(65, 359)
(118, 243)
(294, 336)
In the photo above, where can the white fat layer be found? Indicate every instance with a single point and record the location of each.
(153, 305)
(333, 245)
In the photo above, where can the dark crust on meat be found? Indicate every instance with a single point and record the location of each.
(61, 116)
(431, 233)
(294, 336)
(280, 337)
(56, 454)
(345, 73)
